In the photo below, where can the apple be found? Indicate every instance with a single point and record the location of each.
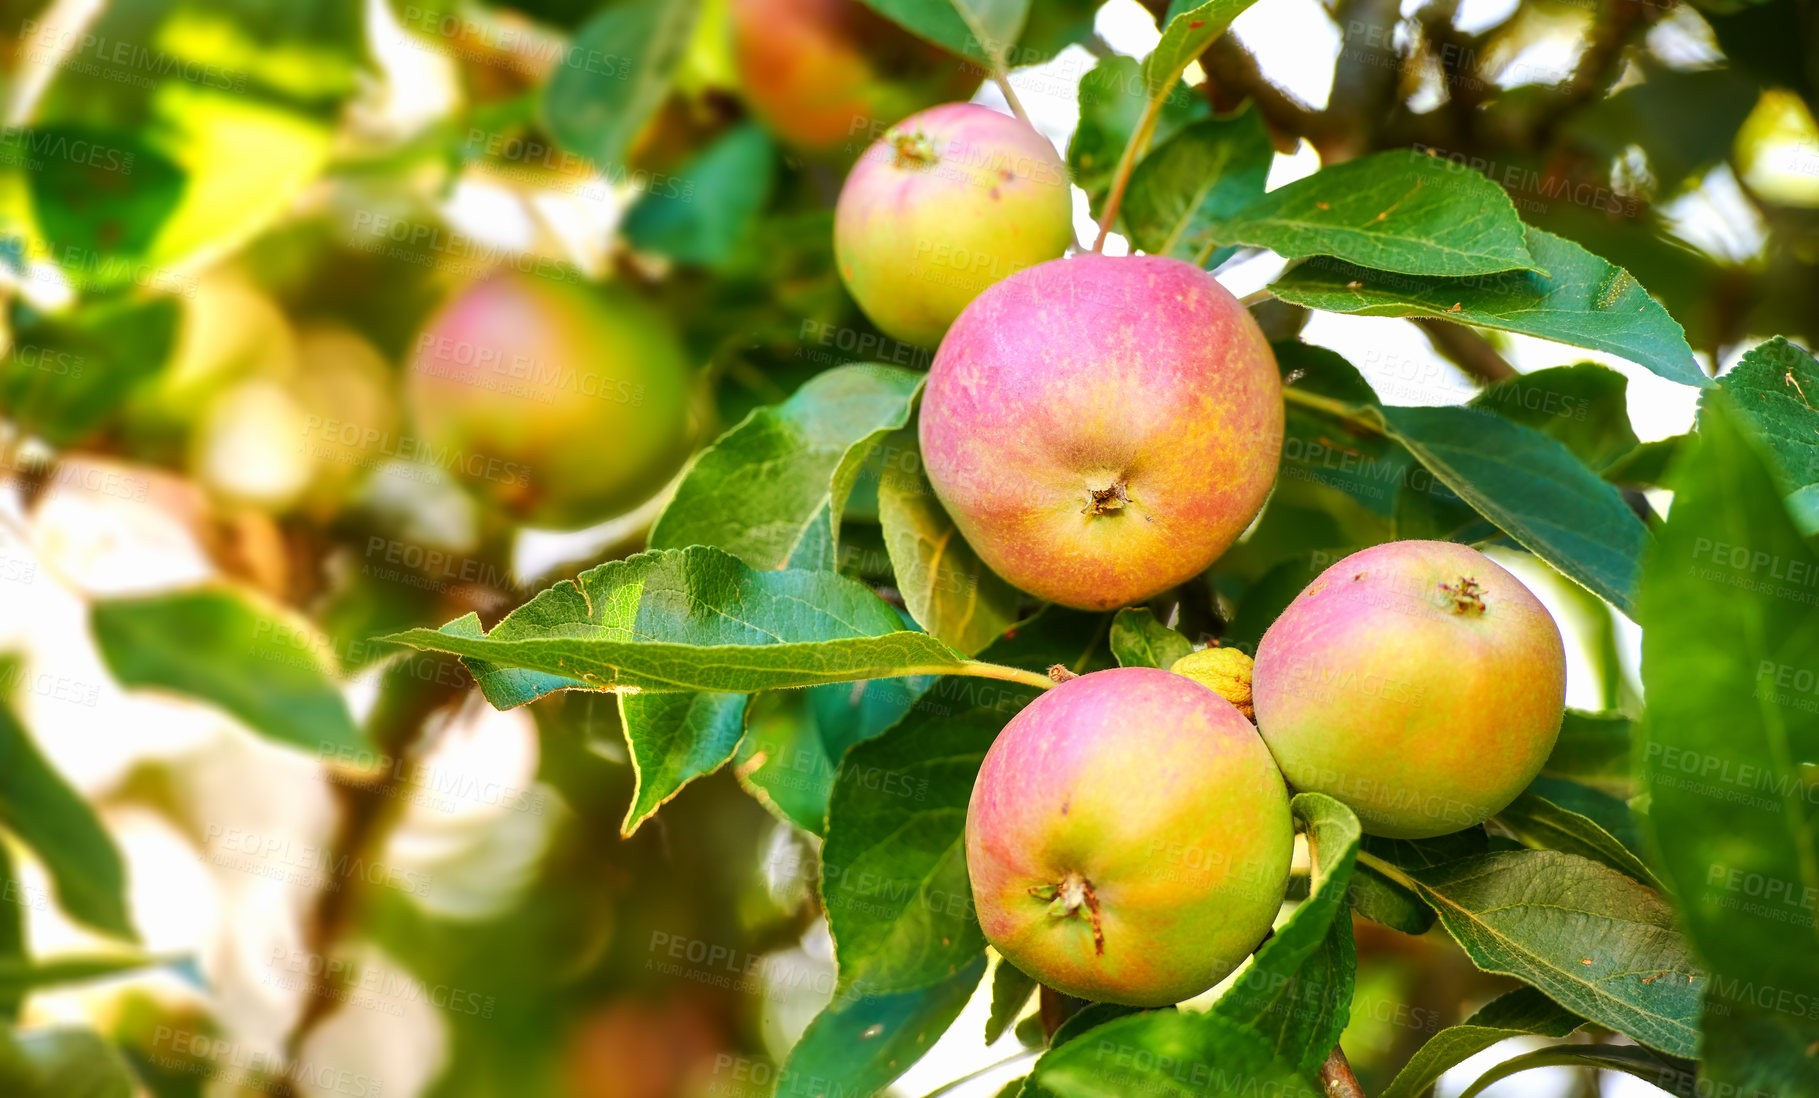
(561, 403)
(820, 73)
(945, 204)
(1102, 429)
(1416, 681)
(1128, 838)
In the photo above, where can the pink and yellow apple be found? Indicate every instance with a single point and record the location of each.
(1128, 838)
(1416, 681)
(1102, 429)
(820, 73)
(947, 203)
(560, 402)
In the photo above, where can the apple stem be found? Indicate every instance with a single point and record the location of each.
(1059, 673)
(1336, 1075)
(980, 669)
(1003, 80)
(1121, 176)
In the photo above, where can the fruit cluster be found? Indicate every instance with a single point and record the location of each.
(1101, 430)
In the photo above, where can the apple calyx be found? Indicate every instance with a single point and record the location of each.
(1466, 597)
(913, 150)
(1104, 501)
(1069, 898)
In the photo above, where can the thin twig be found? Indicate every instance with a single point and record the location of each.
(1351, 414)
(408, 702)
(1121, 176)
(1003, 80)
(1466, 349)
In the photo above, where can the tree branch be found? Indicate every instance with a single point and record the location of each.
(1233, 76)
(1466, 349)
(408, 700)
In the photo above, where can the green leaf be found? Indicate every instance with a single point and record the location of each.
(14, 899)
(1535, 490)
(1169, 1054)
(20, 976)
(1186, 35)
(984, 30)
(1730, 649)
(1112, 102)
(65, 375)
(946, 587)
(1543, 825)
(1671, 1076)
(38, 807)
(1396, 211)
(1593, 749)
(674, 739)
(713, 204)
(1647, 463)
(1591, 939)
(98, 192)
(1011, 991)
(1187, 185)
(1768, 390)
(1583, 406)
(262, 663)
(1611, 813)
(1427, 853)
(1752, 1049)
(860, 1046)
(1523, 1012)
(758, 491)
(236, 100)
(1382, 900)
(625, 57)
(62, 1063)
(1586, 302)
(1296, 992)
(893, 868)
(794, 740)
(687, 619)
(1139, 640)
